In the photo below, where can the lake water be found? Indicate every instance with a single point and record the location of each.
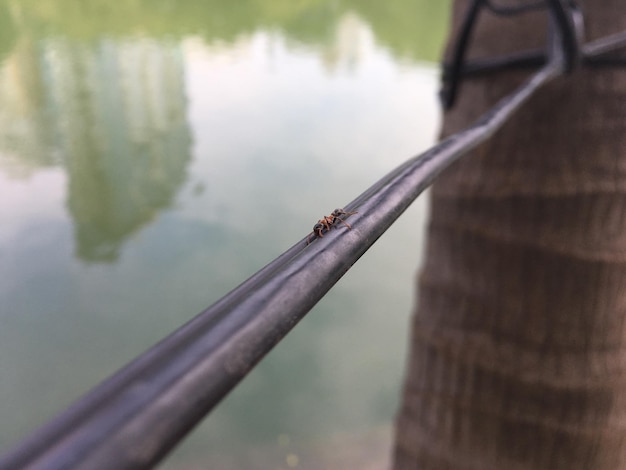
(154, 154)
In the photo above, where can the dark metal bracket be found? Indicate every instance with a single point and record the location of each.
(568, 21)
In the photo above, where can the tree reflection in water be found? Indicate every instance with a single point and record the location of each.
(171, 131)
(98, 88)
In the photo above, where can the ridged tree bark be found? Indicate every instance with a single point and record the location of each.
(518, 346)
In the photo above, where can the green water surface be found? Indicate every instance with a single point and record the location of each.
(154, 154)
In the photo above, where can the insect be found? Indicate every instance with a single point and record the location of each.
(327, 222)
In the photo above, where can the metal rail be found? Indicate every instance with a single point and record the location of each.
(138, 415)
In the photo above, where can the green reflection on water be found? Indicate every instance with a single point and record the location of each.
(411, 29)
(155, 154)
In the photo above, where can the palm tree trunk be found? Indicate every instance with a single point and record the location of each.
(518, 347)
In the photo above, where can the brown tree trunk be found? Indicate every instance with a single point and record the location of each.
(518, 351)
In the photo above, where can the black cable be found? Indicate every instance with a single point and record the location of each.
(524, 59)
(605, 45)
(595, 53)
(450, 88)
(135, 417)
(530, 60)
(565, 16)
(515, 10)
(568, 20)
(565, 13)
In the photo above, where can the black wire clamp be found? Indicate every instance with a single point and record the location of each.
(567, 19)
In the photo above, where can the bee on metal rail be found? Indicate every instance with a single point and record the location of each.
(327, 222)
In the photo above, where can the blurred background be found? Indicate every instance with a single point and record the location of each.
(154, 154)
